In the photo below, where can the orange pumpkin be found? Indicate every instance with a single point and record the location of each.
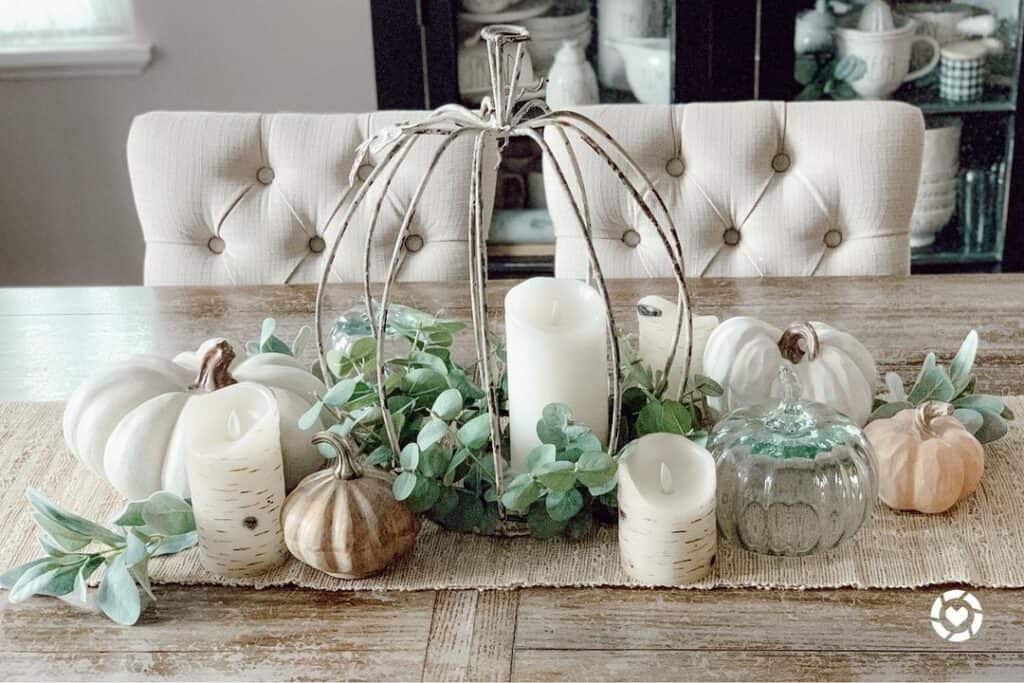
(927, 461)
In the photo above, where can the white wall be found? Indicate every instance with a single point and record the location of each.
(66, 211)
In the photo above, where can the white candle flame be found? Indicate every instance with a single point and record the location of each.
(666, 479)
(234, 426)
(554, 312)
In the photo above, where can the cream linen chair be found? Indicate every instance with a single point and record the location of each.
(235, 199)
(754, 188)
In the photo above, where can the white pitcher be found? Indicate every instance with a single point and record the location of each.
(887, 56)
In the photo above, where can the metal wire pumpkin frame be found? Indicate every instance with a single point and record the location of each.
(509, 111)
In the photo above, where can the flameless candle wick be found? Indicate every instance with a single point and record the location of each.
(666, 479)
(554, 312)
(234, 427)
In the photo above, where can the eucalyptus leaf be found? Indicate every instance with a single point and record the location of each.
(894, 384)
(932, 385)
(447, 405)
(540, 523)
(118, 595)
(557, 476)
(340, 393)
(595, 469)
(475, 433)
(168, 514)
(540, 455)
(579, 526)
(563, 506)
(451, 472)
(403, 485)
(602, 489)
(409, 457)
(556, 415)
(424, 495)
(381, 456)
(551, 434)
(309, 418)
(68, 541)
(520, 498)
(431, 433)
(666, 416)
(10, 577)
(434, 461)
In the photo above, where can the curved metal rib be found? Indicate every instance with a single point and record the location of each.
(389, 424)
(333, 252)
(683, 308)
(614, 378)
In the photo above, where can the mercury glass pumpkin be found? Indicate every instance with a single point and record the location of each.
(794, 477)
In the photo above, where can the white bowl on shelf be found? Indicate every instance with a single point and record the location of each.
(937, 188)
(648, 67)
(925, 224)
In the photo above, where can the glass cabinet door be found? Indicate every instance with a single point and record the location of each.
(591, 50)
(959, 62)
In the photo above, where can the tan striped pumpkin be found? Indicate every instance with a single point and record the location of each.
(346, 522)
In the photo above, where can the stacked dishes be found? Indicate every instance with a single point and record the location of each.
(566, 20)
(936, 193)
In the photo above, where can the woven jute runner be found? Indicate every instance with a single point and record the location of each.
(980, 542)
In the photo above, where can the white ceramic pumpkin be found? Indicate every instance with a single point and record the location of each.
(927, 460)
(744, 356)
(123, 422)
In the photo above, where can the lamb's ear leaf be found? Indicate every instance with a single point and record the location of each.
(267, 330)
(119, 596)
(932, 385)
(887, 410)
(970, 419)
(960, 368)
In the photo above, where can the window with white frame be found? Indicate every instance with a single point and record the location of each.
(54, 38)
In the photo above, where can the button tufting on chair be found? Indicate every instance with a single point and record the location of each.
(743, 208)
(364, 171)
(631, 238)
(780, 162)
(833, 238)
(197, 174)
(413, 243)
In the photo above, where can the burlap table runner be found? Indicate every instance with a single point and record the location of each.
(980, 542)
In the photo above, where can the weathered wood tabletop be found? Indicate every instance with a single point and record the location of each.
(52, 338)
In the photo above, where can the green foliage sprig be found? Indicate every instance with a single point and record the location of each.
(269, 343)
(570, 479)
(646, 410)
(823, 74)
(163, 524)
(983, 415)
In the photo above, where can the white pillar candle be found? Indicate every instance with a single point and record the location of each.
(656, 322)
(556, 339)
(666, 493)
(236, 476)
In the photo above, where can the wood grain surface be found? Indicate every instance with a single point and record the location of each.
(54, 337)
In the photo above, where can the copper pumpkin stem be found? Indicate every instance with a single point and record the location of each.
(214, 368)
(926, 413)
(789, 343)
(344, 465)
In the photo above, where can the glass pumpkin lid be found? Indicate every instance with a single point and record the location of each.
(790, 428)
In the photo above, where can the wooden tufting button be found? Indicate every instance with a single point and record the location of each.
(833, 238)
(317, 244)
(216, 245)
(364, 171)
(631, 238)
(731, 237)
(780, 162)
(413, 243)
(675, 167)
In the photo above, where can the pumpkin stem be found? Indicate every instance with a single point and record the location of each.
(926, 413)
(214, 372)
(790, 346)
(344, 464)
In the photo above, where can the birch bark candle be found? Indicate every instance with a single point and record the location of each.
(666, 493)
(236, 476)
(656, 318)
(556, 341)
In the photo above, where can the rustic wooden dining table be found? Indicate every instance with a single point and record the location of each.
(50, 339)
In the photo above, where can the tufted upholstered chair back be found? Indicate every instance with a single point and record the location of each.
(234, 199)
(754, 188)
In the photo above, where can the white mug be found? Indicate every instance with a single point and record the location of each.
(887, 56)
